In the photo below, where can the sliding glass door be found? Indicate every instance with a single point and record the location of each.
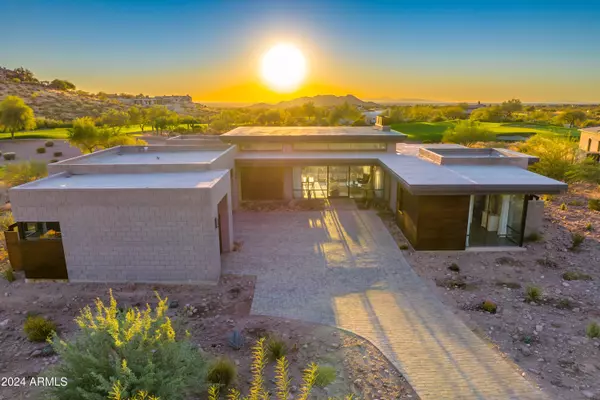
(338, 181)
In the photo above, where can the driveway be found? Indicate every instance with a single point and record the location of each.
(341, 267)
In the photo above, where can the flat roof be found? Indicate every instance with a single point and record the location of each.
(173, 180)
(591, 129)
(151, 157)
(312, 133)
(421, 176)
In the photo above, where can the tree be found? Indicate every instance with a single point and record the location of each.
(15, 115)
(85, 135)
(467, 132)
(572, 117)
(309, 109)
(60, 84)
(25, 75)
(115, 120)
(138, 116)
(488, 114)
(20, 173)
(453, 112)
(557, 154)
(512, 106)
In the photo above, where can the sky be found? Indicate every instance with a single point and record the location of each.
(485, 50)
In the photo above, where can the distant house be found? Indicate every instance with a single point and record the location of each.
(371, 116)
(589, 141)
(473, 107)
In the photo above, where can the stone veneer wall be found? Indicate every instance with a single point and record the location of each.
(132, 235)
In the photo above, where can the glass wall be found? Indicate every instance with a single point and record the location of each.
(496, 220)
(317, 182)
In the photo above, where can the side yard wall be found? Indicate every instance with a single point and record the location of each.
(121, 235)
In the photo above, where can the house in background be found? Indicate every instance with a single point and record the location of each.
(164, 213)
(370, 117)
(589, 141)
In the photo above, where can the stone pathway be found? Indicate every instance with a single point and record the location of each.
(341, 267)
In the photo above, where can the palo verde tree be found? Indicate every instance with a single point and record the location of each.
(15, 115)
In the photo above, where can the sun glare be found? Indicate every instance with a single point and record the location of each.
(283, 67)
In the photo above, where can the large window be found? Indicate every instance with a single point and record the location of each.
(39, 230)
(357, 182)
(341, 146)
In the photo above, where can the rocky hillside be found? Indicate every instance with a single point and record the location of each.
(322, 100)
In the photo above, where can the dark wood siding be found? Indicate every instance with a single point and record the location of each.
(41, 259)
(262, 183)
(442, 222)
(433, 222)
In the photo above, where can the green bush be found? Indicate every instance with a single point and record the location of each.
(594, 204)
(533, 293)
(57, 154)
(137, 349)
(466, 132)
(563, 207)
(276, 348)
(54, 160)
(40, 150)
(564, 304)
(49, 143)
(489, 306)
(38, 329)
(6, 220)
(589, 227)
(9, 156)
(576, 276)
(8, 273)
(23, 172)
(403, 246)
(326, 375)
(593, 330)
(578, 239)
(222, 372)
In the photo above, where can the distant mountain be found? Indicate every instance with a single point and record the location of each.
(322, 100)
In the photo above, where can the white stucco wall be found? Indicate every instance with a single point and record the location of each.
(133, 235)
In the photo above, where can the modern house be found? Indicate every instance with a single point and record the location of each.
(164, 213)
(589, 140)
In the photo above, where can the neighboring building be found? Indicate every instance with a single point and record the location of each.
(370, 117)
(589, 140)
(164, 213)
(158, 100)
(473, 107)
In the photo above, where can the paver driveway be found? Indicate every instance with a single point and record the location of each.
(341, 267)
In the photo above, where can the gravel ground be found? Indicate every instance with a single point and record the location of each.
(546, 338)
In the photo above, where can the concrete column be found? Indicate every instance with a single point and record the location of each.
(535, 217)
(235, 188)
(391, 148)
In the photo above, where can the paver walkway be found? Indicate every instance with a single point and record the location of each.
(342, 267)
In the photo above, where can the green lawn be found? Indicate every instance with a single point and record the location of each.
(433, 131)
(56, 133)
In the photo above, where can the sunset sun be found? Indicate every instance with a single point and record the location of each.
(283, 67)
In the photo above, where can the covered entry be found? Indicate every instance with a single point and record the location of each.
(262, 183)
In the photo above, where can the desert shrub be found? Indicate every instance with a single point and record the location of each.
(589, 227)
(451, 283)
(57, 154)
(326, 375)
(454, 267)
(548, 198)
(236, 340)
(283, 381)
(9, 156)
(8, 273)
(222, 372)
(15, 80)
(547, 262)
(40, 150)
(403, 246)
(563, 207)
(49, 143)
(276, 348)
(533, 293)
(38, 328)
(576, 276)
(489, 306)
(593, 330)
(578, 239)
(118, 393)
(594, 204)
(138, 349)
(564, 304)
(557, 154)
(575, 203)
(54, 160)
(6, 220)
(465, 132)
(533, 237)
(23, 172)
